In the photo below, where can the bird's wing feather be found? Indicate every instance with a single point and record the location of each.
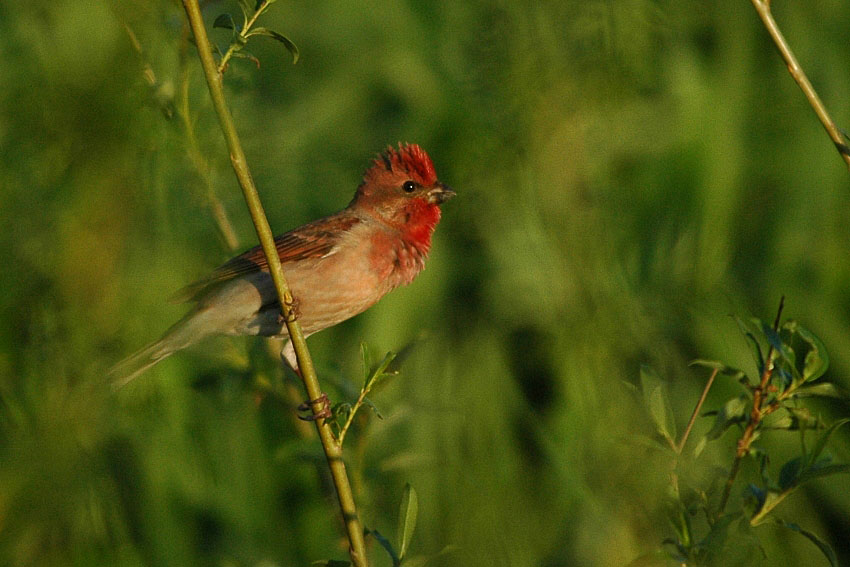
(314, 240)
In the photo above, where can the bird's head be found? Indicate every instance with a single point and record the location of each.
(401, 189)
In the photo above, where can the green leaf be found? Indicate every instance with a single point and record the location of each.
(330, 563)
(822, 545)
(654, 443)
(772, 499)
(366, 357)
(824, 390)
(248, 56)
(786, 353)
(373, 407)
(407, 513)
(287, 43)
(820, 444)
(720, 367)
(247, 9)
(772, 337)
(755, 496)
(733, 411)
(372, 377)
(381, 371)
(715, 540)
(789, 474)
(700, 446)
(657, 403)
(755, 324)
(822, 469)
(816, 362)
(422, 560)
(224, 21)
(385, 543)
(797, 418)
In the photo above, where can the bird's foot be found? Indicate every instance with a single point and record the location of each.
(292, 311)
(323, 413)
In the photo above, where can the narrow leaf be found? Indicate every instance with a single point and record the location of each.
(825, 390)
(820, 444)
(248, 56)
(822, 545)
(772, 337)
(366, 357)
(700, 446)
(720, 367)
(381, 371)
(287, 43)
(373, 407)
(657, 403)
(746, 329)
(790, 473)
(715, 540)
(224, 21)
(247, 9)
(733, 411)
(822, 471)
(385, 543)
(816, 362)
(407, 513)
(772, 500)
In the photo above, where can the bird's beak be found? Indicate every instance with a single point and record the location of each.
(440, 193)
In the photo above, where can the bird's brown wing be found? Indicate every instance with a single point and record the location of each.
(314, 240)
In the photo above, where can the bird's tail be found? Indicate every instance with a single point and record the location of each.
(185, 332)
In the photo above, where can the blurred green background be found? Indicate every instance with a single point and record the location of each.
(629, 173)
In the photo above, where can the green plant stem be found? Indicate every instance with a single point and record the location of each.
(796, 71)
(354, 409)
(332, 449)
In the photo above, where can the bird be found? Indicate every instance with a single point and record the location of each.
(336, 267)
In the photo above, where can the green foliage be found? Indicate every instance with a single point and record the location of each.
(241, 35)
(787, 357)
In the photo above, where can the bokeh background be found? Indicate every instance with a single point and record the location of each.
(630, 173)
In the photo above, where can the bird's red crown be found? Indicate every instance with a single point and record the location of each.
(409, 158)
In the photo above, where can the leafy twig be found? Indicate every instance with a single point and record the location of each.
(332, 449)
(756, 415)
(763, 9)
(369, 382)
(240, 37)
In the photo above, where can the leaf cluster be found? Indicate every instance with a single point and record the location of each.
(241, 34)
(789, 359)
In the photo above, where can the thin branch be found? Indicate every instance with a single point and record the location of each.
(763, 9)
(746, 440)
(332, 449)
(695, 413)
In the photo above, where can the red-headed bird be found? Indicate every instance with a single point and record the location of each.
(336, 267)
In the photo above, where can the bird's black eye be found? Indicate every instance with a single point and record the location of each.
(409, 186)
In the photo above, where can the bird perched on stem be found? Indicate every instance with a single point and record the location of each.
(336, 267)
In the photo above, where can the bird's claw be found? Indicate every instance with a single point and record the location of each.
(292, 311)
(324, 413)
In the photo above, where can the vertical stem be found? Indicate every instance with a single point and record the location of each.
(333, 451)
